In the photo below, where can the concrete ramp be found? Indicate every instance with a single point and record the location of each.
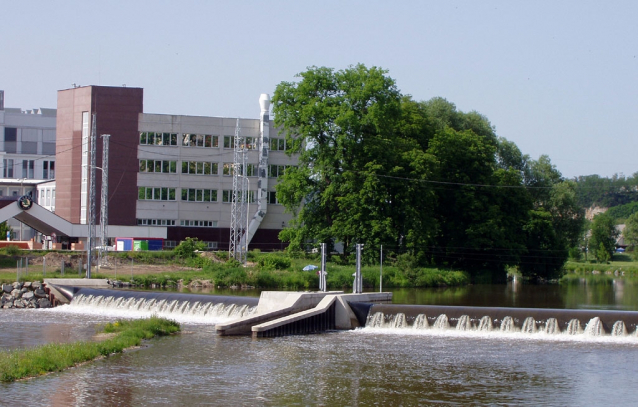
(42, 220)
(289, 313)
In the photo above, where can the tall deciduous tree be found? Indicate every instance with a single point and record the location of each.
(345, 126)
(603, 236)
(631, 233)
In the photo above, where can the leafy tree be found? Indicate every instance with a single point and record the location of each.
(349, 185)
(555, 223)
(631, 233)
(4, 228)
(480, 218)
(603, 236)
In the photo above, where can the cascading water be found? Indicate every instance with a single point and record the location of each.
(507, 325)
(376, 320)
(529, 326)
(464, 323)
(594, 327)
(441, 322)
(619, 329)
(181, 307)
(485, 324)
(399, 321)
(574, 328)
(551, 327)
(421, 322)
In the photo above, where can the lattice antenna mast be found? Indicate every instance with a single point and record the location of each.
(104, 207)
(91, 208)
(240, 195)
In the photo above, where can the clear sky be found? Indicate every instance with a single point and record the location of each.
(556, 77)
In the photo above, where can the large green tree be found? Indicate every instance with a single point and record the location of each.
(631, 233)
(603, 237)
(353, 159)
(423, 178)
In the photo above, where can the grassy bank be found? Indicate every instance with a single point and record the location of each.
(54, 357)
(264, 270)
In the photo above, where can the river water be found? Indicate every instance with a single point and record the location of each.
(364, 367)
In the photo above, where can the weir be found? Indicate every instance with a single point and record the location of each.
(170, 305)
(525, 320)
(274, 313)
(278, 313)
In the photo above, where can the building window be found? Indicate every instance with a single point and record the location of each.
(200, 140)
(156, 222)
(251, 170)
(272, 197)
(228, 168)
(198, 223)
(7, 168)
(10, 138)
(227, 196)
(199, 195)
(275, 171)
(169, 167)
(229, 141)
(48, 170)
(278, 144)
(28, 167)
(158, 139)
(156, 194)
(199, 168)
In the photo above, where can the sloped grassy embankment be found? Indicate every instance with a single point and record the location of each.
(54, 357)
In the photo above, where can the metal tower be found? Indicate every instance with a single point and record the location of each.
(238, 215)
(104, 207)
(91, 206)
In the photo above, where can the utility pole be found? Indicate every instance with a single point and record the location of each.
(104, 195)
(91, 206)
(240, 196)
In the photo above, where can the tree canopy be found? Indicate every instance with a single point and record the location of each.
(423, 178)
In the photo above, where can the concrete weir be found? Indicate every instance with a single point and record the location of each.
(282, 313)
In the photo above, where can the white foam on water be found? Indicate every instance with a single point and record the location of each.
(180, 311)
(499, 335)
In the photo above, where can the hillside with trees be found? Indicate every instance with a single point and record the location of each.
(418, 177)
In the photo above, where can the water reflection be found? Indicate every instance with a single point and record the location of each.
(618, 294)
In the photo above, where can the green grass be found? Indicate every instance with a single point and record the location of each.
(274, 270)
(54, 357)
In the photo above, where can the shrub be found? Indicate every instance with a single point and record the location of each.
(274, 262)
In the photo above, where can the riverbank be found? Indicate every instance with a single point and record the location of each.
(263, 270)
(55, 357)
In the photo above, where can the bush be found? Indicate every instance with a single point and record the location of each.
(186, 248)
(274, 262)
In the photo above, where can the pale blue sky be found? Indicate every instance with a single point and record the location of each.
(556, 77)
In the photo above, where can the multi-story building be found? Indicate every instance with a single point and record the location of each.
(27, 150)
(167, 171)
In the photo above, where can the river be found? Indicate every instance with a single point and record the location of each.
(363, 367)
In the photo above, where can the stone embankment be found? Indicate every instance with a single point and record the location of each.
(24, 295)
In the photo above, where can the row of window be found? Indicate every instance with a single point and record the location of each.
(47, 197)
(195, 140)
(193, 195)
(206, 168)
(171, 222)
(156, 222)
(169, 167)
(198, 223)
(28, 169)
(202, 168)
